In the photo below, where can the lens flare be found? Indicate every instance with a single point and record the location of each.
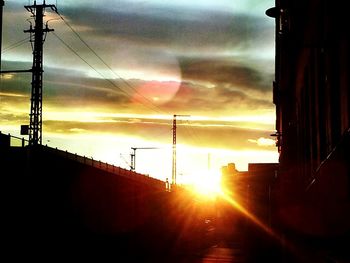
(207, 185)
(231, 200)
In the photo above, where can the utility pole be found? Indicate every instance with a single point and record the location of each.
(38, 35)
(2, 3)
(133, 156)
(173, 174)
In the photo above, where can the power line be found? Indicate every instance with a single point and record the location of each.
(99, 73)
(157, 109)
(15, 45)
(87, 63)
(191, 132)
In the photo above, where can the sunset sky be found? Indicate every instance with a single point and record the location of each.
(149, 59)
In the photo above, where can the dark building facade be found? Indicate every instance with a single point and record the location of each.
(252, 189)
(311, 94)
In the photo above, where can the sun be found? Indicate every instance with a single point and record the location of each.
(207, 184)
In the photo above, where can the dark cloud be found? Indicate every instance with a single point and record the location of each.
(65, 87)
(175, 29)
(72, 89)
(194, 37)
(18, 84)
(233, 98)
(79, 91)
(14, 22)
(221, 70)
(16, 65)
(215, 101)
(13, 118)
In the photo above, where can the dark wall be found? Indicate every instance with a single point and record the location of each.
(311, 93)
(49, 198)
(54, 201)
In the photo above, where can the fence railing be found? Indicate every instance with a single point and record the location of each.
(107, 167)
(13, 141)
(9, 140)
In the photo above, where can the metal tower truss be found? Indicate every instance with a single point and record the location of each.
(173, 172)
(38, 35)
(133, 155)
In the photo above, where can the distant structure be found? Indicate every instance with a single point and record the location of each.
(173, 168)
(252, 188)
(133, 156)
(312, 97)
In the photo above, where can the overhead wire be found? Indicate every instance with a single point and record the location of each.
(85, 61)
(92, 67)
(15, 45)
(112, 83)
(150, 105)
(126, 83)
(191, 133)
(157, 109)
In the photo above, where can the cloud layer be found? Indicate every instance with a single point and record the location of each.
(211, 60)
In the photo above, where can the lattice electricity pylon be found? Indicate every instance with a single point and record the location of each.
(38, 35)
(173, 170)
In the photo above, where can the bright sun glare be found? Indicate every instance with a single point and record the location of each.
(207, 184)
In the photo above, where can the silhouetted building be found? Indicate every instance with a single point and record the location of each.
(311, 94)
(252, 190)
(260, 183)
